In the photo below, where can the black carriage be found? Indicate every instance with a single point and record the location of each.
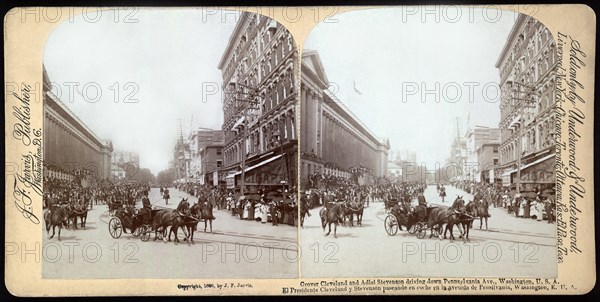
(391, 222)
(389, 204)
(114, 206)
(128, 219)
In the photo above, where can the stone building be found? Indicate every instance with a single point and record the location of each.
(260, 124)
(527, 66)
(69, 145)
(334, 140)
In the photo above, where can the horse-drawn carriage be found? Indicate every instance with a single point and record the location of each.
(113, 206)
(389, 204)
(415, 223)
(127, 218)
(434, 218)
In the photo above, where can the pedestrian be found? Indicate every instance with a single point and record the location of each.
(264, 212)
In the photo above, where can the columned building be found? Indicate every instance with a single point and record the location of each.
(259, 64)
(334, 140)
(527, 66)
(69, 145)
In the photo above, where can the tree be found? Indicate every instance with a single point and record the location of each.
(166, 177)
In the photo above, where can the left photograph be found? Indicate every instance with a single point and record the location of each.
(170, 146)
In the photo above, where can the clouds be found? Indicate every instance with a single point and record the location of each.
(148, 75)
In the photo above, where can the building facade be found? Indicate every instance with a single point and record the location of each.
(260, 124)
(475, 137)
(199, 140)
(334, 141)
(212, 163)
(69, 145)
(488, 158)
(182, 161)
(527, 67)
(122, 163)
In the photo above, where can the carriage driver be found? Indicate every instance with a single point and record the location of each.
(146, 207)
(421, 208)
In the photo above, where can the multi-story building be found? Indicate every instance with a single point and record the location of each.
(69, 145)
(527, 66)
(260, 124)
(200, 139)
(475, 137)
(212, 162)
(488, 158)
(454, 169)
(182, 161)
(123, 162)
(334, 141)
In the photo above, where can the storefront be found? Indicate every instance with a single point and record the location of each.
(540, 172)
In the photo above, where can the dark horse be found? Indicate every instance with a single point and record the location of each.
(191, 222)
(304, 210)
(57, 217)
(352, 208)
(479, 209)
(334, 215)
(173, 219)
(77, 211)
(449, 216)
(206, 211)
(465, 220)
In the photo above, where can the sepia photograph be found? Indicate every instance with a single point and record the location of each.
(170, 146)
(427, 144)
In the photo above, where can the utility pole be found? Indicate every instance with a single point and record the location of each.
(523, 103)
(246, 102)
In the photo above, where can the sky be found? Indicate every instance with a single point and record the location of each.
(130, 75)
(408, 73)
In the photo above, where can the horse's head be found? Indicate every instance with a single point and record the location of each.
(183, 206)
(459, 204)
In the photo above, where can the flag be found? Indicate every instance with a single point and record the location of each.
(355, 89)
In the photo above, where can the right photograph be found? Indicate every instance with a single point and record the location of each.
(427, 145)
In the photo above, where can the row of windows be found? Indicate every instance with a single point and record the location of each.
(265, 138)
(533, 139)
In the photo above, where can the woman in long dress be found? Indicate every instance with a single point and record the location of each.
(539, 207)
(522, 205)
(264, 211)
(246, 208)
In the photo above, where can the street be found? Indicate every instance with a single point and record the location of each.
(235, 249)
(513, 247)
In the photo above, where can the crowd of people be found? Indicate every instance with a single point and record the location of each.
(323, 188)
(537, 203)
(263, 204)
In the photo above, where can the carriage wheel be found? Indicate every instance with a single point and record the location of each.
(391, 225)
(138, 231)
(435, 232)
(421, 232)
(145, 233)
(115, 227)
(414, 228)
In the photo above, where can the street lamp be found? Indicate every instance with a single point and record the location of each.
(523, 103)
(249, 94)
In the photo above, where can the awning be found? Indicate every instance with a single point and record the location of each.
(260, 164)
(531, 164)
